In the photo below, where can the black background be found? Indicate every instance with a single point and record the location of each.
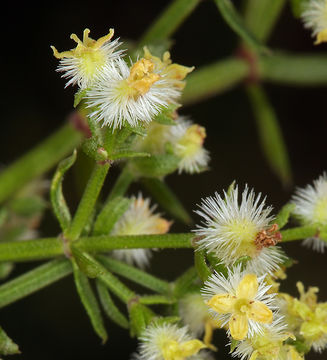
(52, 323)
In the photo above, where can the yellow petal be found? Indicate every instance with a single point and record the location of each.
(254, 355)
(238, 326)
(260, 312)
(189, 348)
(248, 287)
(223, 304)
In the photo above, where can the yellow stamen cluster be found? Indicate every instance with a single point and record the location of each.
(142, 77)
(242, 306)
(174, 350)
(168, 70)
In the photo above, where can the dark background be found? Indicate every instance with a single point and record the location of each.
(52, 323)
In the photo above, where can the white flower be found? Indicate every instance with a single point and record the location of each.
(139, 219)
(266, 346)
(314, 16)
(240, 301)
(311, 208)
(232, 230)
(187, 139)
(83, 64)
(167, 342)
(133, 95)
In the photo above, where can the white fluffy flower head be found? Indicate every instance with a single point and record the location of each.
(139, 219)
(232, 229)
(268, 345)
(167, 342)
(188, 139)
(86, 62)
(130, 94)
(314, 16)
(311, 208)
(241, 301)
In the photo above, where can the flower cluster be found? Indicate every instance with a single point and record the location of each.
(136, 102)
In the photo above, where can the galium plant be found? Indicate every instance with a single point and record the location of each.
(127, 110)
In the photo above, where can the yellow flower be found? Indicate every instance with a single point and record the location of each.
(168, 342)
(174, 72)
(268, 345)
(307, 317)
(84, 63)
(244, 306)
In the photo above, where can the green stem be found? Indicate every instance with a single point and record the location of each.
(169, 20)
(121, 185)
(107, 243)
(33, 280)
(88, 201)
(52, 247)
(214, 79)
(39, 160)
(31, 249)
(136, 275)
(299, 233)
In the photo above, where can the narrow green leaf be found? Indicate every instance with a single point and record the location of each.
(235, 21)
(89, 302)
(201, 265)
(214, 79)
(185, 282)
(129, 154)
(37, 161)
(113, 284)
(166, 320)
(167, 199)
(86, 263)
(169, 20)
(140, 316)
(33, 281)
(7, 346)
(156, 165)
(110, 214)
(294, 69)
(136, 275)
(261, 16)
(270, 134)
(283, 215)
(155, 299)
(58, 201)
(109, 306)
